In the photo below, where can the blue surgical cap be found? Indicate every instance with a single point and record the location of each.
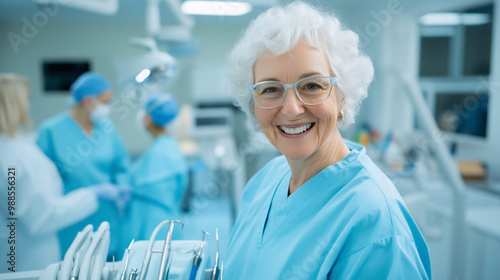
(89, 84)
(162, 108)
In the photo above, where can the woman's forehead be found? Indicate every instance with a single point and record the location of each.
(303, 58)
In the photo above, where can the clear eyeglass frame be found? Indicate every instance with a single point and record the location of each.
(333, 81)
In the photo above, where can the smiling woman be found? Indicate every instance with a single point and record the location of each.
(323, 210)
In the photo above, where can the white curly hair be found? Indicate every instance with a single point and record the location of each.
(278, 30)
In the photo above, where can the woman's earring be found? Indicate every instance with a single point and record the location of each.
(341, 115)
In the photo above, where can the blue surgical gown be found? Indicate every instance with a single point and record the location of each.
(159, 179)
(347, 222)
(84, 160)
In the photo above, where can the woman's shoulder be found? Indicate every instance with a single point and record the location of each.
(377, 205)
(54, 121)
(274, 170)
(266, 180)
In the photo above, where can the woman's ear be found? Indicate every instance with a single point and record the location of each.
(87, 103)
(147, 121)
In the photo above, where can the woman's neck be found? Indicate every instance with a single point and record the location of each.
(305, 169)
(82, 118)
(157, 131)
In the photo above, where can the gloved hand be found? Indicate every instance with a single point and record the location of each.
(106, 191)
(125, 193)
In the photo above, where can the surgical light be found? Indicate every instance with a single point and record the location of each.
(143, 75)
(216, 8)
(146, 73)
(455, 19)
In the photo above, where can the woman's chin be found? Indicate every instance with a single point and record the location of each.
(295, 153)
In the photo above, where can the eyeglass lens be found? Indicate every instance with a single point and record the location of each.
(311, 91)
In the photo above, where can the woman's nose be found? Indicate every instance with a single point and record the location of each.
(291, 106)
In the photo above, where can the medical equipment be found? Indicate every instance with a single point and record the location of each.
(178, 32)
(449, 169)
(145, 74)
(85, 258)
(197, 258)
(166, 256)
(216, 270)
(81, 241)
(165, 252)
(133, 274)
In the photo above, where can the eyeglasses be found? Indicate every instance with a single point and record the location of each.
(311, 91)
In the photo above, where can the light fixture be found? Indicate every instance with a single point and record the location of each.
(216, 8)
(455, 19)
(142, 76)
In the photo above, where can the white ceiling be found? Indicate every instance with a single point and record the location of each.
(134, 10)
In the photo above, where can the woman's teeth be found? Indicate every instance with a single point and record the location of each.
(295, 130)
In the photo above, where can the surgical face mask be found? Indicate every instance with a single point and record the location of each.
(100, 112)
(139, 120)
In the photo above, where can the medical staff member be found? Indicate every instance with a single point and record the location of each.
(85, 147)
(159, 177)
(32, 186)
(323, 210)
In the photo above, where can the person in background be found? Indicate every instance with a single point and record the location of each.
(86, 149)
(322, 210)
(159, 177)
(33, 187)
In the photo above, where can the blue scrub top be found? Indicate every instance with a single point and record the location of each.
(347, 222)
(84, 160)
(159, 178)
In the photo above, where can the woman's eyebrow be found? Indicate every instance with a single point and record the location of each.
(309, 74)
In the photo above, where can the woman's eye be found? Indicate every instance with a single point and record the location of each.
(269, 90)
(312, 86)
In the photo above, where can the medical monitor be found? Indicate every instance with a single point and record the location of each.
(460, 108)
(58, 75)
(213, 122)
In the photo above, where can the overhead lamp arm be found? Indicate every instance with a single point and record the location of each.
(153, 21)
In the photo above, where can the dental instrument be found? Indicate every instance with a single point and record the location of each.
(89, 256)
(197, 258)
(133, 274)
(126, 260)
(78, 242)
(166, 258)
(75, 271)
(99, 257)
(215, 270)
(221, 269)
(147, 257)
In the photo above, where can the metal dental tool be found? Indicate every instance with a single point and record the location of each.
(75, 271)
(81, 239)
(221, 269)
(197, 257)
(126, 260)
(133, 274)
(165, 257)
(204, 233)
(165, 252)
(215, 270)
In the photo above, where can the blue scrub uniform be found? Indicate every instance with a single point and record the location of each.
(82, 161)
(159, 179)
(347, 222)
